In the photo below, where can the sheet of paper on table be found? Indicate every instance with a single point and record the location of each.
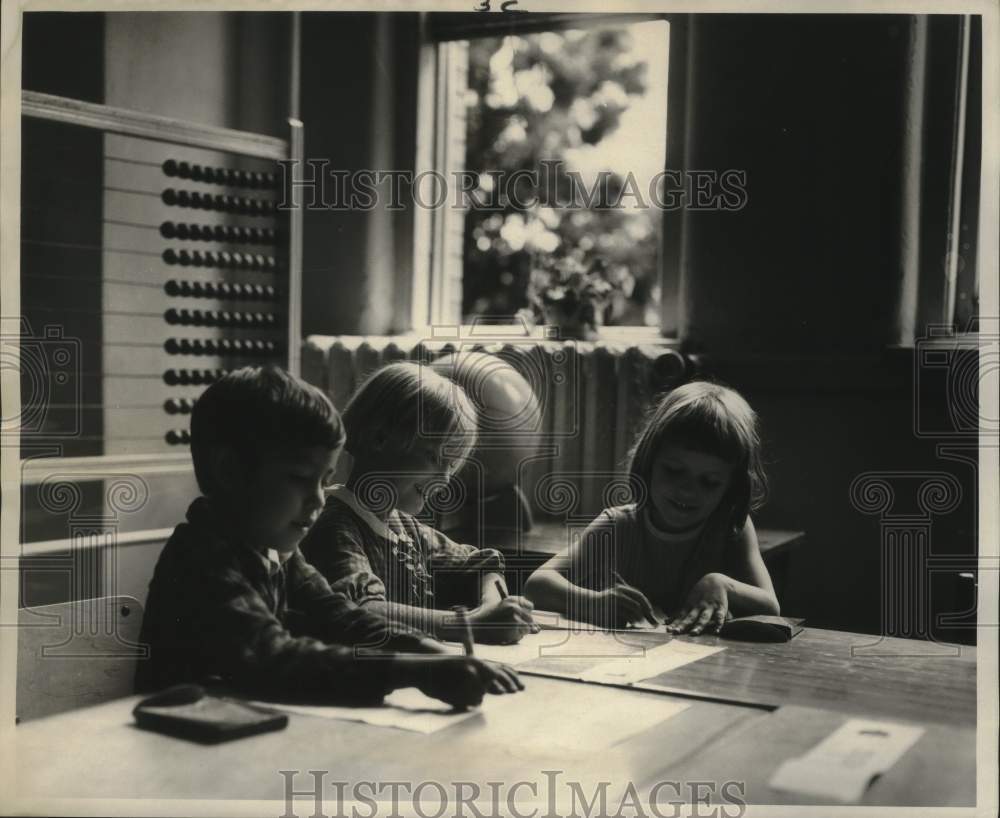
(550, 620)
(406, 709)
(601, 716)
(652, 662)
(843, 765)
(593, 718)
(563, 644)
(594, 656)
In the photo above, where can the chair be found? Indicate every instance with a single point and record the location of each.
(75, 654)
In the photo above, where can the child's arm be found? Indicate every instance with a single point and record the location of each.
(439, 624)
(550, 590)
(336, 618)
(336, 552)
(239, 638)
(254, 650)
(502, 623)
(457, 680)
(489, 592)
(461, 570)
(550, 587)
(747, 590)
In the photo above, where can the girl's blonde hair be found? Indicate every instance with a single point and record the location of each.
(714, 419)
(403, 404)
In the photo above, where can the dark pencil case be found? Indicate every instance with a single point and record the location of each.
(188, 712)
(761, 628)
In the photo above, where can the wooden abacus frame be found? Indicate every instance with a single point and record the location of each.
(112, 120)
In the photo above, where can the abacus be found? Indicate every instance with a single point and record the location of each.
(193, 267)
(155, 257)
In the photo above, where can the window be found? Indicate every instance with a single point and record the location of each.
(941, 287)
(964, 297)
(554, 138)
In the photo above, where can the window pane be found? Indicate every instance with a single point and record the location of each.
(582, 115)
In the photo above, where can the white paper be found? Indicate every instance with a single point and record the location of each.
(651, 662)
(514, 655)
(595, 656)
(593, 718)
(405, 709)
(550, 620)
(845, 762)
(594, 645)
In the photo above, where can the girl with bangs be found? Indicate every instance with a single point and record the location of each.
(687, 546)
(409, 430)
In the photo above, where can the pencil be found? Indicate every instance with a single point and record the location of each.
(463, 615)
(503, 595)
(618, 579)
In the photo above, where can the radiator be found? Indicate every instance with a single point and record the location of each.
(593, 397)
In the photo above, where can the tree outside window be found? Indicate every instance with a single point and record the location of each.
(590, 104)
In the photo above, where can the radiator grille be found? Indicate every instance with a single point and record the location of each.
(593, 397)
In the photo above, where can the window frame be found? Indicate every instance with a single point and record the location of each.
(944, 114)
(433, 280)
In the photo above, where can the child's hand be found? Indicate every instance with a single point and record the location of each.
(460, 681)
(500, 678)
(504, 622)
(432, 646)
(706, 606)
(622, 604)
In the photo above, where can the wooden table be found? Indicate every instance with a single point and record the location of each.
(96, 752)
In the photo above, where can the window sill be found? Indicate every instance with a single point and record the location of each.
(951, 341)
(38, 470)
(439, 335)
(516, 332)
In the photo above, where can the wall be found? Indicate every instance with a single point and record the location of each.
(358, 97)
(794, 299)
(79, 40)
(216, 68)
(810, 108)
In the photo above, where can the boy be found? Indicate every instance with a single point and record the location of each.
(232, 596)
(400, 423)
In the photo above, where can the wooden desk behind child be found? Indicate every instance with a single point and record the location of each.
(98, 753)
(525, 551)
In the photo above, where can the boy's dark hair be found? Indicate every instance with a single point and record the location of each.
(259, 408)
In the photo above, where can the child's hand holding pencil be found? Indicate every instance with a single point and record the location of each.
(625, 604)
(504, 622)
